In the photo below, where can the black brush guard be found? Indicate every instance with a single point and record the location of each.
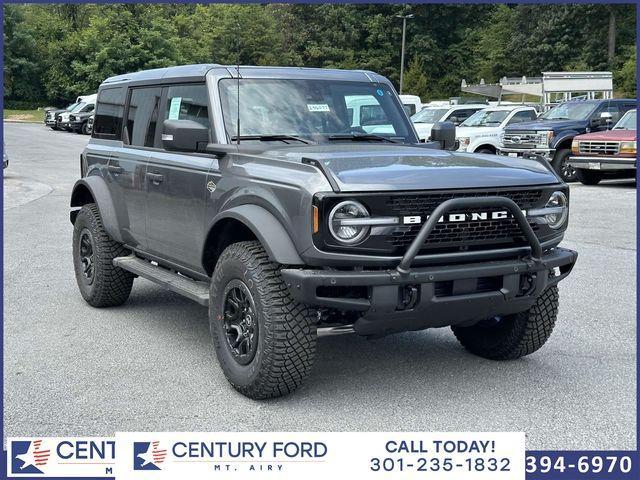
(416, 298)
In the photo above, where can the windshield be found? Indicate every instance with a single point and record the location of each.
(628, 122)
(77, 107)
(429, 115)
(485, 118)
(313, 110)
(71, 106)
(569, 111)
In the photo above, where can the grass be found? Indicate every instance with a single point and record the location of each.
(24, 115)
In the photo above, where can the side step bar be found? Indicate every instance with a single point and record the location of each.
(192, 289)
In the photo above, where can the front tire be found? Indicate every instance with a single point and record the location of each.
(588, 177)
(85, 128)
(264, 340)
(101, 283)
(561, 165)
(512, 336)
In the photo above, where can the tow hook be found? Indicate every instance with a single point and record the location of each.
(409, 296)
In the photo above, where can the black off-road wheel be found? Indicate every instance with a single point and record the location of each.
(101, 283)
(561, 165)
(512, 336)
(264, 340)
(588, 177)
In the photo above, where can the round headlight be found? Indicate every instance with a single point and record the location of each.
(558, 202)
(345, 222)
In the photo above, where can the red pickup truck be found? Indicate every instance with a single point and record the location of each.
(608, 154)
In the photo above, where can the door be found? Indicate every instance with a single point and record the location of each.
(124, 169)
(128, 164)
(177, 184)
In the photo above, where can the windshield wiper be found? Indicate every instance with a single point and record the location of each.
(361, 137)
(267, 138)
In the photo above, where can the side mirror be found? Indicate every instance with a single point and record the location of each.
(606, 118)
(445, 134)
(184, 135)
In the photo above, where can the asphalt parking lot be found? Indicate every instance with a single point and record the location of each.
(70, 369)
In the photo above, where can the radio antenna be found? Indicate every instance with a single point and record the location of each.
(238, 81)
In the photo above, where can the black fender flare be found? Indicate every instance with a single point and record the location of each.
(268, 230)
(99, 191)
(564, 136)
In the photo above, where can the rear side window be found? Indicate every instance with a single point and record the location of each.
(523, 116)
(109, 111)
(142, 116)
(188, 102)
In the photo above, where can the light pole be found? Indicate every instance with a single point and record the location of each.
(404, 35)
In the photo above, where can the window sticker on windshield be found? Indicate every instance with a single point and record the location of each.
(380, 92)
(318, 107)
(174, 110)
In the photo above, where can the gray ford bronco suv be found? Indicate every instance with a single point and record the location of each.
(297, 203)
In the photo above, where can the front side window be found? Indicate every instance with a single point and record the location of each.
(429, 115)
(142, 116)
(109, 113)
(485, 118)
(569, 111)
(188, 102)
(312, 110)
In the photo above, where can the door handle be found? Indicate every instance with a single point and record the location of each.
(115, 169)
(156, 178)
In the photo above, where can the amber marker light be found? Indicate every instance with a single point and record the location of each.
(315, 219)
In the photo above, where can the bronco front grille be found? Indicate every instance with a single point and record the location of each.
(461, 235)
(599, 147)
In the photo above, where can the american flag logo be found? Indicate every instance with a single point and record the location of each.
(30, 457)
(148, 455)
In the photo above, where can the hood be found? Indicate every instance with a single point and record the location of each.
(386, 167)
(554, 125)
(611, 135)
(472, 132)
(423, 129)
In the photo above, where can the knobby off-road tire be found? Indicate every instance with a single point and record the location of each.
(513, 336)
(102, 284)
(284, 332)
(588, 177)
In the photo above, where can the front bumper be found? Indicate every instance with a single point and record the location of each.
(545, 153)
(417, 298)
(448, 295)
(603, 163)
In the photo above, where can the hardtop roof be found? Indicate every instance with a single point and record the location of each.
(199, 71)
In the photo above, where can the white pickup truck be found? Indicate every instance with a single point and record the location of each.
(424, 120)
(480, 133)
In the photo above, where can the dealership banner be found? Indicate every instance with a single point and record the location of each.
(439, 456)
(223, 455)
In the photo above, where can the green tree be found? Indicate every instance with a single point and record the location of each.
(415, 80)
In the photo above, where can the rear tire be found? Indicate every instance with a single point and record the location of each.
(264, 340)
(101, 283)
(485, 150)
(561, 166)
(588, 177)
(512, 336)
